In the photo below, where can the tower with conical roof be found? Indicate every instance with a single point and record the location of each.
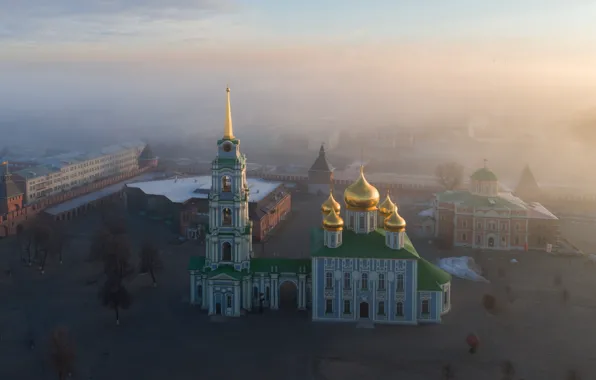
(319, 173)
(11, 197)
(527, 187)
(147, 159)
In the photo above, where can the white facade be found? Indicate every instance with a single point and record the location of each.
(63, 172)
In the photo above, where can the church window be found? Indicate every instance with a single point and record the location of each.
(329, 306)
(503, 241)
(255, 292)
(479, 225)
(516, 240)
(339, 238)
(381, 282)
(446, 297)
(227, 217)
(399, 309)
(226, 184)
(372, 221)
(464, 223)
(425, 307)
(328, 280)
(229, 301)
(361, 220)
(352, 221)
(347, 281)
(517, 226)
(478, 239)
(381, 308)
(226, 254)
(347, 307)
(364, 281)
(400, 283)
(267, 294)
(464, 237)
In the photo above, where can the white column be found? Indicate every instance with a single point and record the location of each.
(210, 295)
(193, 289)
(205, 301)
(301, 292)
(237, 294)
(274, 292)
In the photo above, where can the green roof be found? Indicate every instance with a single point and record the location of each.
(196, 263)
(466, 198)
(275, 265)
(430, 276)
(371, 245)
(484, 174)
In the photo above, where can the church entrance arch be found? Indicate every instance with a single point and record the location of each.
(288, 295)
(364, 309)
(491, 242)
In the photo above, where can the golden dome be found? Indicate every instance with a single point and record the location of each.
(330, 204)
(395, 223)
(387, 206)
(333, 222)
(361, 195)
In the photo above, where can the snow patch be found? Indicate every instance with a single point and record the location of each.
(463, 267)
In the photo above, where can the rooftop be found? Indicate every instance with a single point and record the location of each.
(36, 171)
(180, 190)
(372, 245)
(502, 201)
(96, 195)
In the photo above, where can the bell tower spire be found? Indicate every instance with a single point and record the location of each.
(228, 130)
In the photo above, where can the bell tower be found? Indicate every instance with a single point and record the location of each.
(229, 234)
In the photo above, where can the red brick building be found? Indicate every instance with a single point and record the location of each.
(482, 217)
(184, 203)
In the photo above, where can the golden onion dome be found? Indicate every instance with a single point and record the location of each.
(333, 222)
(387, 206)
(361, 195)
(330, 204)
(394, 222)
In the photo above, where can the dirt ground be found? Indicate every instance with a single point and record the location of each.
(161, 336)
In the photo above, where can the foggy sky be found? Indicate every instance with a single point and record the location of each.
(154, 69)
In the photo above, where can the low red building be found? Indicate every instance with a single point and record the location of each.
(184, 204)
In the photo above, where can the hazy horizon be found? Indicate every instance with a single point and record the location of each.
(158, 69)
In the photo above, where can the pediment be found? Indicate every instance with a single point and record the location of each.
(223, 276)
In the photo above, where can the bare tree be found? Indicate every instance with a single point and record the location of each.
(450, 175)
(447, 372)
(115, 296)
(507, 370)
(42, 240)
(62, 352)
(59, 240)
(150, 261)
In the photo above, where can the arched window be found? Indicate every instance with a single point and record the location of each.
(399, 309)
(364, 281)
(399, 283)
(381, 282)
(226, 184)
(347, 281)
(226, 254)
(329, 280)
(226, 219)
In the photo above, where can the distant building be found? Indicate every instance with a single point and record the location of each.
(482, 217)
(11, 196)
(527, 188)
(319, 173)
(147, 159)
(60, 173)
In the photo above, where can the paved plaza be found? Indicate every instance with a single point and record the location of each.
(163, 337)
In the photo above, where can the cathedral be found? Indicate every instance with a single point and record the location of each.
(363, 266)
